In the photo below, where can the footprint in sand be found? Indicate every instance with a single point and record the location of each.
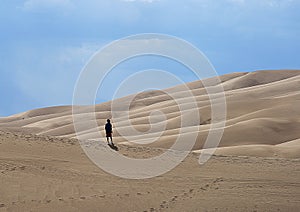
(174, 198)
(164, 204)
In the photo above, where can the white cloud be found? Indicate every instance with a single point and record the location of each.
(263, 3)
(145, 1)
(80, 54)
(49, 78)
(44, 4)
(237, 1)
(279, 3)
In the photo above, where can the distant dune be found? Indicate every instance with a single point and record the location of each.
(263, 115)
(255, 168)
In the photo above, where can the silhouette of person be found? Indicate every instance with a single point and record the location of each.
(108, 130)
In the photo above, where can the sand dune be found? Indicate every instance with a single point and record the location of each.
(45, 173)
(262, 109)
(254, 168)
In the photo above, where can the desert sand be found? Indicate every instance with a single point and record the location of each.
(255, 168)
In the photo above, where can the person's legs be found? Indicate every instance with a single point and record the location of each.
(111, 139)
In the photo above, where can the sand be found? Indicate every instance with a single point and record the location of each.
(42, 173)
(255, 167)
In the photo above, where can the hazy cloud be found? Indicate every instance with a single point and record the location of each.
(146, 1)
(45, 43)
(46, 4)
(52, 73)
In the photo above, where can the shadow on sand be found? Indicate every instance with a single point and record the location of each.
(114, 147)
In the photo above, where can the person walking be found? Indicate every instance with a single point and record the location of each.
(108, 131)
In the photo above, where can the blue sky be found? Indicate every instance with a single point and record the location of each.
(46, 43)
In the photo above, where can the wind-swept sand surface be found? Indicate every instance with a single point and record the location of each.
(255, 168)
(42, 173)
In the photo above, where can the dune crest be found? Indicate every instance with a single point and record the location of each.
(263, 116)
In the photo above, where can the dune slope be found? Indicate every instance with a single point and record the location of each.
(43, 167)
(263, 116)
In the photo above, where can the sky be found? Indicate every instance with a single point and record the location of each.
(46, 43)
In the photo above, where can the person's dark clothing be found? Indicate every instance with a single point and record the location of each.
(108, 129)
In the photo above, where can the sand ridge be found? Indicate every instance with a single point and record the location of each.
(262, 109)
(255, 167)
(45, 173)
